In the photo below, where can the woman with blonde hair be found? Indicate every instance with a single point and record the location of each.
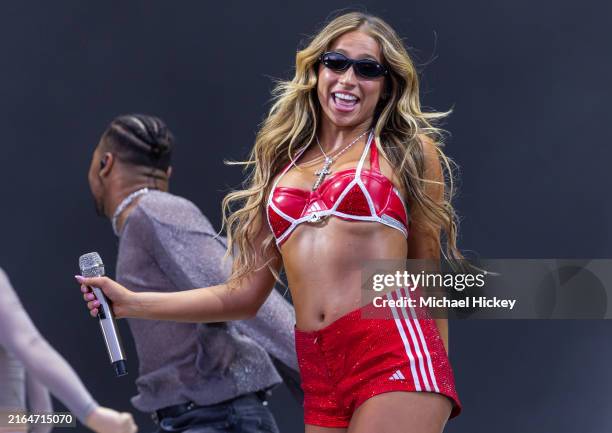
(346, 169)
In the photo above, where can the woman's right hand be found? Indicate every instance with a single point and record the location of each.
(105, 420)
(122, 299)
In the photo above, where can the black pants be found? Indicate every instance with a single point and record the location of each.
(245, 414)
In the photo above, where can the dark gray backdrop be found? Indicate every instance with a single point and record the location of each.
(528, 83)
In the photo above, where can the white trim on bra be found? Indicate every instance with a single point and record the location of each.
(317, 215)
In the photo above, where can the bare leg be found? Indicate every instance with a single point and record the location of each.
(317, 429)
(402, 412)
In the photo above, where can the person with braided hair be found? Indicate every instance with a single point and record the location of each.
(193, 377)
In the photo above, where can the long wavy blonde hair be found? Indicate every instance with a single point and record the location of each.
(292, 124)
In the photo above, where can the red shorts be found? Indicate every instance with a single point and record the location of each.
(355, 358)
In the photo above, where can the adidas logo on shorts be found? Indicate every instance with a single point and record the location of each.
(397, 376)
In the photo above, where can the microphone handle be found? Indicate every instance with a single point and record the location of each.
(111, 335)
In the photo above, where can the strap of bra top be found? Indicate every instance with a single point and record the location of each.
(374, 163)
(363, 155)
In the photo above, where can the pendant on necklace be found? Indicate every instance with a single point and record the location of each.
(323, 172)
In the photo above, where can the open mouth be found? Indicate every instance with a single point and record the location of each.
(345, 101)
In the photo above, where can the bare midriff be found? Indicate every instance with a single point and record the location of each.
(324, 263)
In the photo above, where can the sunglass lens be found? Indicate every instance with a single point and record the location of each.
(369, 69)
(335, 61)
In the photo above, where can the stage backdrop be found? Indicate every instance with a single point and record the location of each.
(528, 85)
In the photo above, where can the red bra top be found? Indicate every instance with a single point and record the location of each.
(353, 194)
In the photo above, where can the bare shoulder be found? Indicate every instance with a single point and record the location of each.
(432, 164)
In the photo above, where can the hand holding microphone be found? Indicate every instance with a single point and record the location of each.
(119, 296)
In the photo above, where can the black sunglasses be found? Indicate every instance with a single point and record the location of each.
(365, 67)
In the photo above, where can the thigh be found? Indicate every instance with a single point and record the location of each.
(402, 412)
(317, 429)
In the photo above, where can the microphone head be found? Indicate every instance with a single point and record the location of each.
(91, 265)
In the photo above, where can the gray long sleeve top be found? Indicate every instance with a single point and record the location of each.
(15, 385)
(23, 345)
(168, 245)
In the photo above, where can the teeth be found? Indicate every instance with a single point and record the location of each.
(345, 96)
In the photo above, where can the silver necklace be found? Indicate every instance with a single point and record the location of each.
(321, 174)
(124, 204)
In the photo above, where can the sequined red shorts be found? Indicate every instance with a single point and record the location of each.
(355, 358)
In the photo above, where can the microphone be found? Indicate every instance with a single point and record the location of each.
(91, 266)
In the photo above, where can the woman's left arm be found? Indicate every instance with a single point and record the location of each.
(424, 238)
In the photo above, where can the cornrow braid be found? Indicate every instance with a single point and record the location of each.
(140, 139)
